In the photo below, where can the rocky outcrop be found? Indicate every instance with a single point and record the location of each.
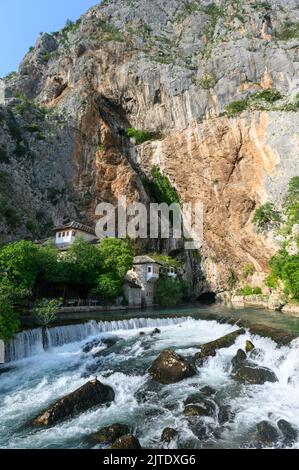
(290, 434)
(109, 434)
(266, 434)
(126, 442)
(171, 70)
(89, 395)
(170, 367)
(168, 435)
(210, 349)
(256, 375)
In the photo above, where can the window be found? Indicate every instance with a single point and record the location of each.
(67, 234)
(59, 235)
(149, 269)
(63, 234)
(74, 233)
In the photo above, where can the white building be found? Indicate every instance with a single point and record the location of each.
(65, 235)
(145, 273)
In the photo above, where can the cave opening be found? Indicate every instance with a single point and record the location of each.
(208, 298)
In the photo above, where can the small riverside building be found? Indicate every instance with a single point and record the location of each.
(65, 235)
(145, 273)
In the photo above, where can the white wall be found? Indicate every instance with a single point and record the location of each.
(69, 238)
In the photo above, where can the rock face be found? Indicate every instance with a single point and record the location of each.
(169, 69)
(289, 432)
(126, 442)
(209, 349)
(170, 367)
(111, 433)
(89, 395)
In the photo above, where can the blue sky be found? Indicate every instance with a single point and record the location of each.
(21, 21)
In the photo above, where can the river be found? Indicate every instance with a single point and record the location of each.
(34, 378)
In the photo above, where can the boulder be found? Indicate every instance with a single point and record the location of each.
(89, 395)
(289, 432)
(126, 442)
(170, 367)
(249, 346)
(239, 359)
(256, 375)
(209, 349)
(109, 434)
(156, 331)
(266, 434)
(168, 435)
(207, 390)
(109, 342)
(192, 411)
(142, 333)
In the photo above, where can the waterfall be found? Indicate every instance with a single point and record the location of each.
(30, 342)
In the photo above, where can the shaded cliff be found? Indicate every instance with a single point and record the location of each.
(175, 69)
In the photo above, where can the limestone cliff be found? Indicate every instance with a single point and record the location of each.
(172, 68)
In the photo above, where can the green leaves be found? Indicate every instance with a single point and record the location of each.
(266, 217)
(170, 291)
(9, 320)
(45, 311)
(159, 187)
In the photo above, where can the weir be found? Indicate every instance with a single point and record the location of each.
(30, 342)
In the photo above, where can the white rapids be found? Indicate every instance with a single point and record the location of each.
(35, 378)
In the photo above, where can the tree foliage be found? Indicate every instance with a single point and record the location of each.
(160, 188)
(45, 311)
(9, 320)
(266, 217)
(170, 292)
(286, 268)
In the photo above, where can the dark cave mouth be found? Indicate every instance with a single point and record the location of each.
(208, 298)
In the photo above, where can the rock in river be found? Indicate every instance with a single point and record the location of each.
(170, 367)
(209, 349)
(290, 434)
(251, 374)
(126, 442)
(168, 435)
(266, 434)
(91, 394)
(109, 434)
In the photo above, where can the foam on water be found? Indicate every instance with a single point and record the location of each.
(36, 381)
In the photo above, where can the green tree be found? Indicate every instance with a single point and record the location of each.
(291, 204)
(19, 261)
(170, 291)
(9, 320)
(108, 288)
(82, 263)
(45, 311)
(116, 256)
(286, 268)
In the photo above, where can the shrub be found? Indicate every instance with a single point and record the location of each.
(12, 217)
(160, 188)
(289, 30)
(139, 136)
(266, 217)
(270, 95)
(291, 204)
(248, 290)
(170, 291)
(286, 268)
(236, 107)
